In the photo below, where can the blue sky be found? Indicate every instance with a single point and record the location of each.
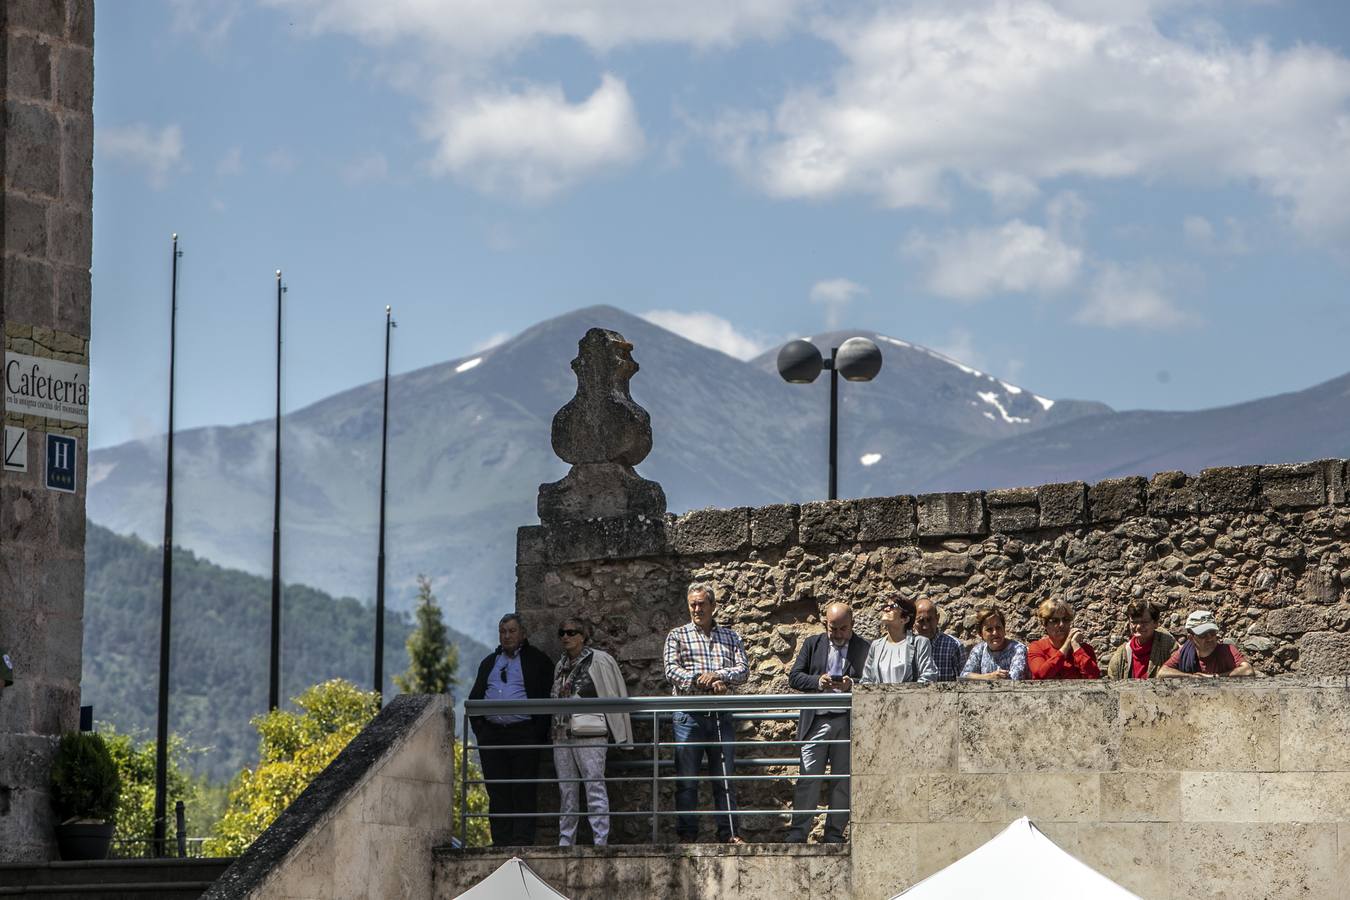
(1147, 206)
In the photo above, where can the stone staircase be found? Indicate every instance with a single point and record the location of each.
(114, 879)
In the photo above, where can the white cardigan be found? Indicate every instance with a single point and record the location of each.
(609, 683)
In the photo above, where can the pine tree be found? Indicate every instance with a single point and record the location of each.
(432, 659)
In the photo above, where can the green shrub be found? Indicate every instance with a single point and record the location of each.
(85, 781)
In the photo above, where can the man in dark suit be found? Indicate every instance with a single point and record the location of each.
(514, 671)
(828, 662)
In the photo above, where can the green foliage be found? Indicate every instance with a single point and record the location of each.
(293, 748)
(432, 659)
(136, 766)
(479, 833)
(220, 628)
(85, 781)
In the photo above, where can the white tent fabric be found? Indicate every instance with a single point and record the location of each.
(513, 880)
(1019, 862)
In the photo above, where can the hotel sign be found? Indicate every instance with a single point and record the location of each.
(38, 386)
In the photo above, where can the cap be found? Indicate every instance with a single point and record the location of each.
(1201, 622)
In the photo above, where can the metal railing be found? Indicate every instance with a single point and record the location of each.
(656, 710)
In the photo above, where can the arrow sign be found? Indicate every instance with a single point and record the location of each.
(16, 449)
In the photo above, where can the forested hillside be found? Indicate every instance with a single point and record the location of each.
(220, 642)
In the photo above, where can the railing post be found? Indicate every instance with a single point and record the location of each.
(464, 786)
(180, 819)
(656, 770)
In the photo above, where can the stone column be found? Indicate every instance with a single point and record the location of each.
(46, 149)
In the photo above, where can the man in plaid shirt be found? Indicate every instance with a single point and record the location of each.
(949, 654)
(703, 658)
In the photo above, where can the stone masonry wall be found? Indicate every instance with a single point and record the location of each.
(46, 154)
(1264, 547)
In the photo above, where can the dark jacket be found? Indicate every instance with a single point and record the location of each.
(538, 671)
(813, 661)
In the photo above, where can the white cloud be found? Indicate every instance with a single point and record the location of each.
(710, 330)
(231, 163)
(1015, 257)
(534, 143)
(1229, 237)
(1134, 297)
(835, 294)
(492, 340)
(366, 169)
(159, 153)
(1008, 96)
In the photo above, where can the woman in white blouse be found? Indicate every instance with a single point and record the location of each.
(899, 654)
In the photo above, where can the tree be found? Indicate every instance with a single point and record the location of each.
(136, 808)
(479, 835)
(293, 748)
(432, 659)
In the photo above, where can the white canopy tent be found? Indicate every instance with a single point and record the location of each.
(1019, 862)
(513, 880)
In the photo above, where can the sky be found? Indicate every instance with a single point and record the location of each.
(1145, 202)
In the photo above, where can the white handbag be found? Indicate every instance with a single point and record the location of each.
(588, 725)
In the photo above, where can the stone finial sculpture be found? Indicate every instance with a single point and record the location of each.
(603, 434)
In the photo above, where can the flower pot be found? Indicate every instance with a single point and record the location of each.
(84, 840)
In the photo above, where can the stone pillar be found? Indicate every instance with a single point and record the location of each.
(46, 149)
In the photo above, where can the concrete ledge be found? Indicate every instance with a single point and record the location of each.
(748, 872)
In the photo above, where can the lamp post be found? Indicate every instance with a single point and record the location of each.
(857, 359)
(166, 597)
(274, 670)
(389, 325)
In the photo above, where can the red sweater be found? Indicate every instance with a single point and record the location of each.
(1045, 661)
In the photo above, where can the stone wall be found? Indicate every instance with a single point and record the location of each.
(1230, 789)
(752, 872)
(367, 825)
(46, 149)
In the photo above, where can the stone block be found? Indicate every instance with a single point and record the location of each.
(25, 227)
(72, 301)
(77, 159)
(952, 514)
(886, 519)
(826, 522)
(28, 291)
(25, 759)
(1333, 476)
(61, 648)
(1314, 730)
(1140, 796)
(939, 844)
(80, 22)
(1115, 499)
(885, 859)
(1294, 486)
(892, 797)
(1171, 494)
(1291, 620)
(46, 16)
(711, 531)
(26, 821)
(909, 728)
(773, 526)
(1305, 797)
(69, 236)
(939, 564)
(1012, 729)
(75, 79)
(1062, 505)
(1324, 653)
(307, 870)
(30, 68)
(1134, 855)
(1252, 860)
(531, 546)
(1012, 509)
(1220, 797)
(1229, 488)
(1201, 727)
(1000, 798)
(619, 538)
(30, 134)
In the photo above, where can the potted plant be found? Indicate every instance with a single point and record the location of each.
(85, 789)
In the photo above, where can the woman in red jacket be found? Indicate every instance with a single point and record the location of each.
(1062, 653)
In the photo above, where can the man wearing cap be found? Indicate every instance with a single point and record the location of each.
(1203, 656)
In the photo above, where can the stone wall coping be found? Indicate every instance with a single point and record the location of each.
(1103, 685)
(1075, 505)
(639, 851)
(323, 796)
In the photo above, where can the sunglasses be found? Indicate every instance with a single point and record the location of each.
(886, 607)
(568, 632)
(502, 672)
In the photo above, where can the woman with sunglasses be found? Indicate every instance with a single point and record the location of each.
(899, 655)
(581, 740)
(1062, 653)
(996, 657)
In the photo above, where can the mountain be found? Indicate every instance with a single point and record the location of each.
(469, 445)
(219, 646)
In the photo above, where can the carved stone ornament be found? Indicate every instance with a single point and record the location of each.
(603, 434)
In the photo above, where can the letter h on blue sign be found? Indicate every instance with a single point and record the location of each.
(61, 463)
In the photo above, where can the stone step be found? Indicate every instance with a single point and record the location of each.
(167, 890)
(163, 879)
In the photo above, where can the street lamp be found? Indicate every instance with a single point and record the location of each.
(857, 359)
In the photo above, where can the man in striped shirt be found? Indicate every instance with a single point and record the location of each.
(704, 658)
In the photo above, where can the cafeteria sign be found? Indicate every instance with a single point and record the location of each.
(46, 387)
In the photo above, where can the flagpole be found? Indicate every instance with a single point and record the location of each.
(274, 667)
(379, 561)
